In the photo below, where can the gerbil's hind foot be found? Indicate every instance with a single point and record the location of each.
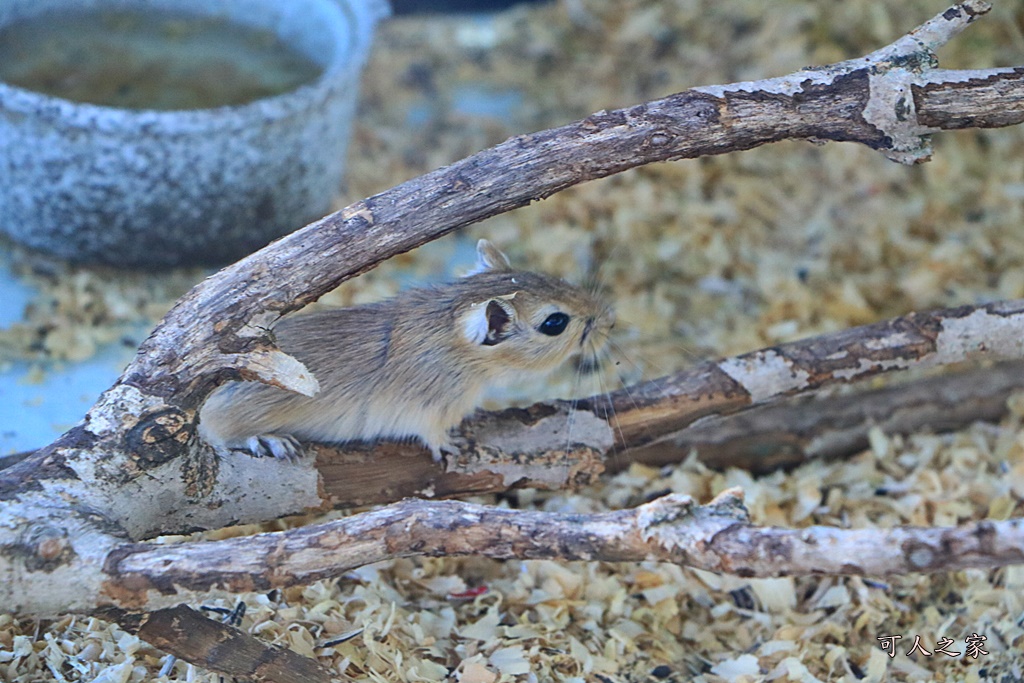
(279, 446)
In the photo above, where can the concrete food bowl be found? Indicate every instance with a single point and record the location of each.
(163, 185)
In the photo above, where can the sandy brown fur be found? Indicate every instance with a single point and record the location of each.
(404, 368)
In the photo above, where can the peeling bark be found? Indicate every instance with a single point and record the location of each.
(790, 432)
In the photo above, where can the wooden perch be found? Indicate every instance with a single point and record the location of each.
(71, 515)
(789, 432)
(761, 439)
(715, 537)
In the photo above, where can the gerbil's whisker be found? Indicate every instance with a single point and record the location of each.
(623, 382)
(587, 328)
(611, 410)
(688, 353)
(622, 353)
(596, 281)
(588, 364)
(571, 418)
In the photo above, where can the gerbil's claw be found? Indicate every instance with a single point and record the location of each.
(280, 446)
(437, 450)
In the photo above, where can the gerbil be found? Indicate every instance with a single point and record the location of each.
(412, 366)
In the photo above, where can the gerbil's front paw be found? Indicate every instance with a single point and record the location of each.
(280, 446)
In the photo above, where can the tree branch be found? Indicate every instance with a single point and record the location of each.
(790, 432)
(715, 537)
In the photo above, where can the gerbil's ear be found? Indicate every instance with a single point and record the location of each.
(489, 258)
(488, 323)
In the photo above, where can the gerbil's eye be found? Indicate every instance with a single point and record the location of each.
(554, 324)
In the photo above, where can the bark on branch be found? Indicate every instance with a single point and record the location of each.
(715, 537)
